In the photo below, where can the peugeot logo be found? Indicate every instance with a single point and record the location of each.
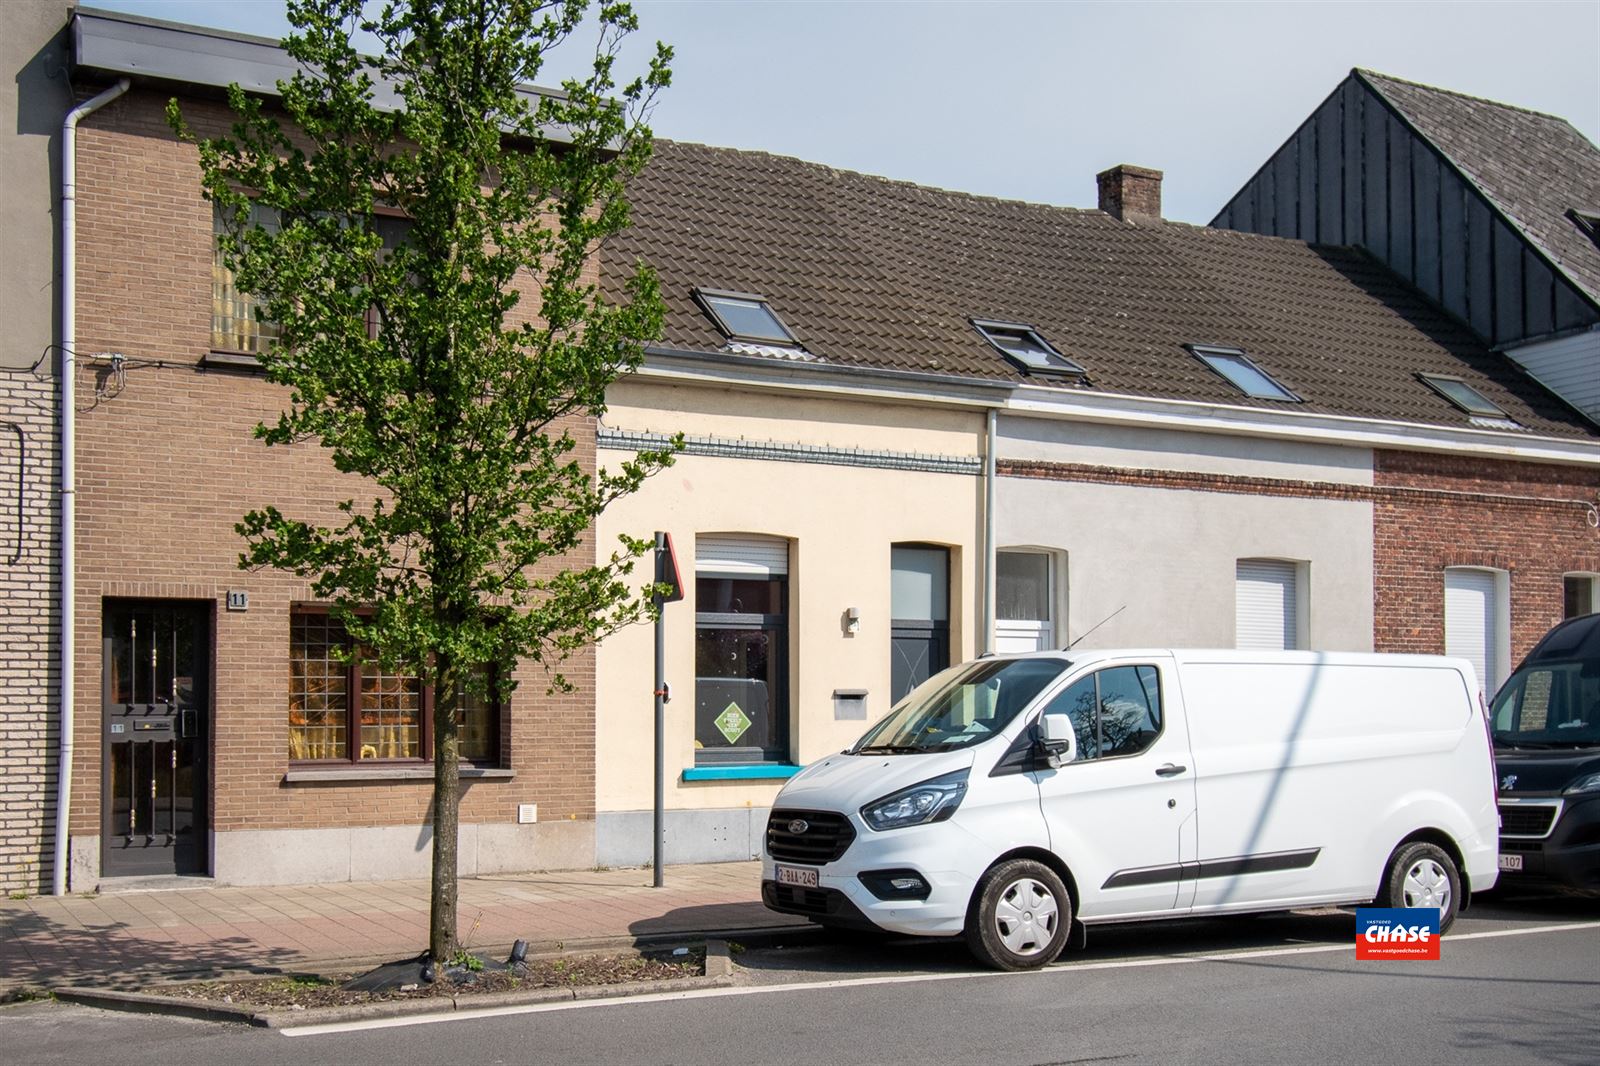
(798, 826)
(1508, 782)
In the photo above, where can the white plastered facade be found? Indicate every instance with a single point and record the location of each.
(1156, 565)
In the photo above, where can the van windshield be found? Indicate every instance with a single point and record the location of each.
(1549, 705)
(961, 706)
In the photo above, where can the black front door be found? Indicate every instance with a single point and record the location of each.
(919, 608)
(156, 700)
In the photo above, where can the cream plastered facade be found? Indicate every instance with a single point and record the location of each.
(840, 517)
(1166, 557)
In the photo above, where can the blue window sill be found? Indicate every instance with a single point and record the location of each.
(763, 772)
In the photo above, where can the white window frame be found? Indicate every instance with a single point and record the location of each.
(1043, 633)
(1300, 570)
(1497, 671)
(1594, 588)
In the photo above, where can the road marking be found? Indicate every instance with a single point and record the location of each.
(471, 1014)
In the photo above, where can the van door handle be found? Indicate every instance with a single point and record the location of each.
(1170, 770)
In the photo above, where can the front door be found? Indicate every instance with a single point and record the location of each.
(156, 713)
(919, 610)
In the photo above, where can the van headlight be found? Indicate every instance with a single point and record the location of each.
(1586, 783)
(931, 801)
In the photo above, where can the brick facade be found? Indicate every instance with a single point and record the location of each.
(167, 464)
(1532, 520)
(29, 589)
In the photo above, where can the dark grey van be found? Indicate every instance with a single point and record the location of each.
(1546, 724)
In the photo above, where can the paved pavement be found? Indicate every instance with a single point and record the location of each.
(112, 937)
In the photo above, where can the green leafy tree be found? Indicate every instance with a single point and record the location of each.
(427, 253)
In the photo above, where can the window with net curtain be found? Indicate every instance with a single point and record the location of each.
(238, 323)
(358, 712)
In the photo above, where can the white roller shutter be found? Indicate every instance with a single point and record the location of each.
(1266, 604)
(1471, 622)
(741, 555)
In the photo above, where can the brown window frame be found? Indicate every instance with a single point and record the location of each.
(352, 757)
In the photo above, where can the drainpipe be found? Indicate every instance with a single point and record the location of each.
(988, 533)
(69, 340)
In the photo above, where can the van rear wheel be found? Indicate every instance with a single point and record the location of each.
(1020, 916)
(1422, 875)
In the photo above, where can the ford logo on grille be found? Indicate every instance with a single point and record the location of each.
(798, 826)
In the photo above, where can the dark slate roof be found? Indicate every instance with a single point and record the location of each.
(1533, 167)
(883, 274)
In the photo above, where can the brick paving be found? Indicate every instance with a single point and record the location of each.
(120, 936)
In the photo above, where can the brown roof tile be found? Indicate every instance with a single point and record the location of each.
(876, 273)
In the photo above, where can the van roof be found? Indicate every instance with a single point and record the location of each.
(1576, 638)
(1234, 655)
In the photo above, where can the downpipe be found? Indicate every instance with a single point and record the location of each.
(68, 421)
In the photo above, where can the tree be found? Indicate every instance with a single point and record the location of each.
(448, 363)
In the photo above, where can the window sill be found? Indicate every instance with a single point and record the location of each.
(760, 772)
(220, 360)
(342, 776)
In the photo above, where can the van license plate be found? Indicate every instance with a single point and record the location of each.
(799, 876)
(1511, 862)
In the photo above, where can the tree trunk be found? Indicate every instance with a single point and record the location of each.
(446, 814)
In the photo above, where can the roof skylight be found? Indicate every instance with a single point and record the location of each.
(1243, 374)
(1024, 347)
(1463, 396)
(743, 316)
(1587, 221)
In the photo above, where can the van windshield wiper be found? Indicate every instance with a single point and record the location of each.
(890, 749)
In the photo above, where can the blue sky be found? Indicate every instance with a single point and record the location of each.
(1029, 100)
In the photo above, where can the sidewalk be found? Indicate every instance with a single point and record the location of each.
(100, 939)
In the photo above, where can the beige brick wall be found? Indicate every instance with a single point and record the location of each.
(29, 668)
(167, 465)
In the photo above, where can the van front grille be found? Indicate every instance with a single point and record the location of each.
(1528, 819)
(822, 838)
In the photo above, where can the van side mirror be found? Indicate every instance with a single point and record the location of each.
(1057, 740)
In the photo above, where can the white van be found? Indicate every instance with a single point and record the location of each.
(1018, 799)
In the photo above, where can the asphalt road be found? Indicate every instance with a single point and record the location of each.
(1519, 981)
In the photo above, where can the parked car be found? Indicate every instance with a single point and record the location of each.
(1017, 800)
(1546, 722)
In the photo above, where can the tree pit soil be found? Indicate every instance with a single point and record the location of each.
(306, 991)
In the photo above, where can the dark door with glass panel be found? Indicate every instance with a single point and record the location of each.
(156, 714)
(919, 608)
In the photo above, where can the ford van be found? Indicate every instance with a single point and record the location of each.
(1547, 746)
(1020, 800)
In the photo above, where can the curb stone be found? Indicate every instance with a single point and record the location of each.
(399, 1008)
(202, 1010)
(144, 1003)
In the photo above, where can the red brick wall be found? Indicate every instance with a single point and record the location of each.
(167, 465)
(1417, 535)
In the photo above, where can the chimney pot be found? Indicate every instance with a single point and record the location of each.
(1127, 191)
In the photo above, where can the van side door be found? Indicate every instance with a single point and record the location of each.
(1122, 813)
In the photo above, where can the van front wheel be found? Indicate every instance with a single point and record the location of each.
(1020, 916)
(1422, 875)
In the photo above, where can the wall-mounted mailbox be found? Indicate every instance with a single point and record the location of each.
(850, 704)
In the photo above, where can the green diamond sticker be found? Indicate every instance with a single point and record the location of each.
(732, 722)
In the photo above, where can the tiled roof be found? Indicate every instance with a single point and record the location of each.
(1533, 167)
(876, 273)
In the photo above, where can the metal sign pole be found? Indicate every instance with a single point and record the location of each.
(661, 694)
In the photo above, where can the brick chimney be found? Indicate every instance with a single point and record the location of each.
(1128, 191)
